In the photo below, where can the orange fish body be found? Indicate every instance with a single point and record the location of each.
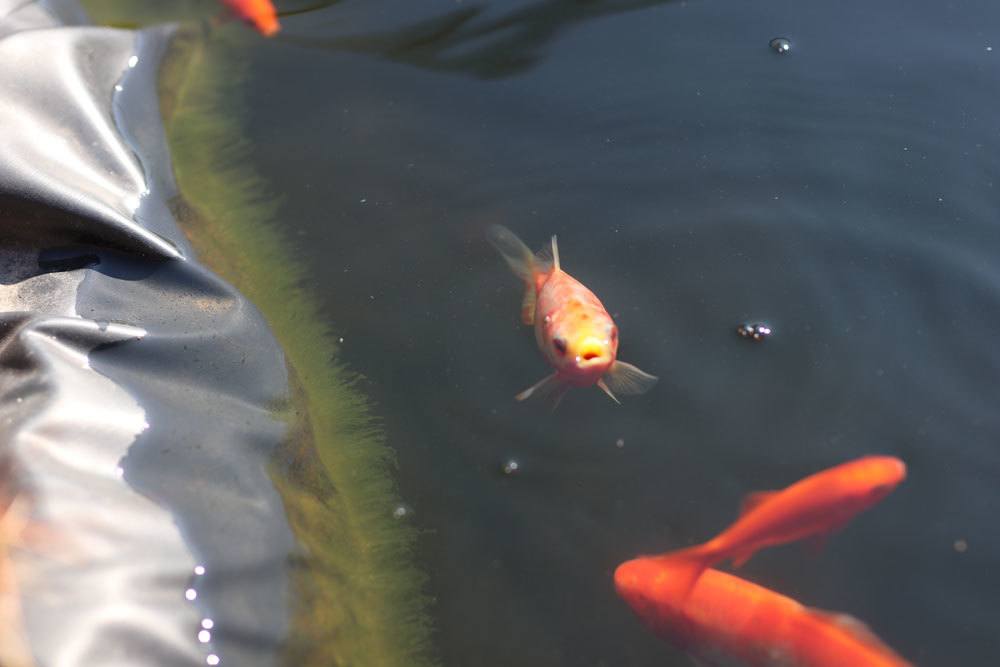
(813, 508)
(259, 13)
(728, 622)
(574, 331)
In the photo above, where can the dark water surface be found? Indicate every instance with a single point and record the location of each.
(843, 192)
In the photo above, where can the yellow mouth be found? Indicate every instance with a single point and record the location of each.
(590, 349)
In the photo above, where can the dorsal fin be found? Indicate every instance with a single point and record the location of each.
(753, 500)
(543, 259)
(555, 254)
(858, 631)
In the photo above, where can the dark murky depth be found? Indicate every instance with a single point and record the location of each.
(843, 192)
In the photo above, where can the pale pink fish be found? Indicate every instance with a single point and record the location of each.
(573, 330)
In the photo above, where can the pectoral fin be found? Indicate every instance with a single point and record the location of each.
(741, 557)
(859, 632)
(626, 379)
(550, 387)
(602, 385)
(754, 500)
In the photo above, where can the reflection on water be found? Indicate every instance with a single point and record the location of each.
(494, 47)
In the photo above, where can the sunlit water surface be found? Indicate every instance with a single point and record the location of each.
(843, 192)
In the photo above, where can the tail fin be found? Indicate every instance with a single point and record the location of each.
(517, 255)
(685, 567)
(522, 262)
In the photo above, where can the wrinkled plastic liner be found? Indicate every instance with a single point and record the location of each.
(137, 389)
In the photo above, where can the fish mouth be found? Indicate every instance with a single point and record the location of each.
(591, 351)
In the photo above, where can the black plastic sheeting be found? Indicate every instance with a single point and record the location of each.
(136, 387)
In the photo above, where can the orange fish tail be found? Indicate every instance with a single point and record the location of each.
(522, 262)
(685, 567)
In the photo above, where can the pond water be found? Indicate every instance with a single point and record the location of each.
(842, 192)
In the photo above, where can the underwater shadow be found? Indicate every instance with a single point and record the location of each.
(502, 47)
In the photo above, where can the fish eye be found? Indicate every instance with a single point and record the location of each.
(559, 344)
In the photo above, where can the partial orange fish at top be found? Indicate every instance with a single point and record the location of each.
(14, 524)
(813, 508)
(572, 328)
(727, 621)
(261, 14)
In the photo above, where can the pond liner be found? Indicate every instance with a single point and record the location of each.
(174, 487)
(138, 391)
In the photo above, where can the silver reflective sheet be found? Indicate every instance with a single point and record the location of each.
(136, 388)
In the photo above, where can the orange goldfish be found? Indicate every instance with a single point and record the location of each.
(572, 328)
(259, 13)
(14, 524)
(813, 507)
(729, 622)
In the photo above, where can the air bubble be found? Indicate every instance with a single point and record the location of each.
(511, 466)
(757, 331)
(781, 45)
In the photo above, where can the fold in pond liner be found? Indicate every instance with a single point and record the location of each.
(137, 390)
(148, 419)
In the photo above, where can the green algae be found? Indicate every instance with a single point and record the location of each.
(359, 599)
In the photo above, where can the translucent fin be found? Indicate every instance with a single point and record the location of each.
(543, 387)
(555, 254)
(754, 500)
(816, 545)
(741, 557)
(517, 255)
(544, 260)
(627, 380)
(528, 304)
(556, 395)
(860, 632)
(602, 385)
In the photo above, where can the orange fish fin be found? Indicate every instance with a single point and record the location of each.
(627, 380)
(528, 304)
(740, 558)
(859, 632)
(817, 544)
(753, 500)
(684, 568)
(604, 387)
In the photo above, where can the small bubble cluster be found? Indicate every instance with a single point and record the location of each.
(781, 45)
(511, 466)
(401, 511)
(757, 331)
(204, 632)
